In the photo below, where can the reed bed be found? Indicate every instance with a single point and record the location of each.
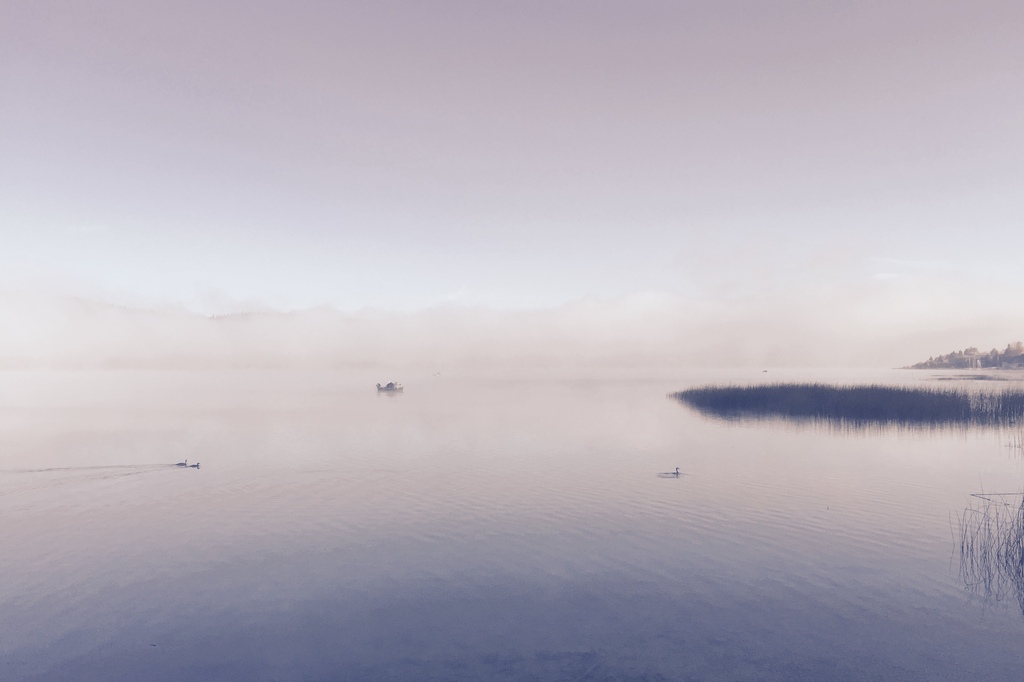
(992, 547)
(858, 404)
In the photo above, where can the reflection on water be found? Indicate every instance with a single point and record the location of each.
(1016, 442)
(992, 546)
(476, 529)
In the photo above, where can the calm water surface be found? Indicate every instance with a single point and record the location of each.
(480, 529)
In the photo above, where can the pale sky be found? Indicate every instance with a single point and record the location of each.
(235, 155)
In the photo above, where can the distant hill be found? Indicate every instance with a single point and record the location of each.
(1011, 356)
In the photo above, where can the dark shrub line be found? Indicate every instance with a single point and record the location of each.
(870, 404)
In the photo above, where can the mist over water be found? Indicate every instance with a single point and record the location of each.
(224, 223)
(478, 528)
(644, 331)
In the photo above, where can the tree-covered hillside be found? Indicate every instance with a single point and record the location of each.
(1011, 356)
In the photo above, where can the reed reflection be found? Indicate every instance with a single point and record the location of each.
(992, 546)
(858, 405)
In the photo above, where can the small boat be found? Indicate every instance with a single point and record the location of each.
(390, 387)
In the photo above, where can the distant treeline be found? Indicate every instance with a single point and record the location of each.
(857, 404)
(1011, 356)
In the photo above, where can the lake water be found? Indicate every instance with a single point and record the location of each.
(482, 528)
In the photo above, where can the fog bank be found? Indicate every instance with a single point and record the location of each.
(650, 330)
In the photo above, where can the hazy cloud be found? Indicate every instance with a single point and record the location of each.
(507, 179)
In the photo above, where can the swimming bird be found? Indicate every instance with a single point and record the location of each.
(194, 466)
(182, 464)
